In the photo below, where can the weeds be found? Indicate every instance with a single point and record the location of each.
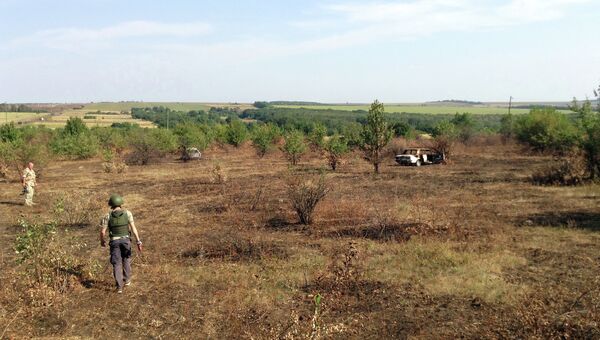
(49, 258)
(77, 208)
(568, 171)
(305, 193)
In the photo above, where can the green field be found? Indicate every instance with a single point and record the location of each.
(7, 117)
(431, 109)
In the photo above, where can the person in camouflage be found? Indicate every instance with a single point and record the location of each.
(119, 224)
(28, 179)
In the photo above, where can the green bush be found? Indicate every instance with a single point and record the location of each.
(78, 146)
(335, 147)
(147, 144)
(546, 130)
(263, 137)
(237, 132)
(191, 135)
(294, 146)
(317, 136)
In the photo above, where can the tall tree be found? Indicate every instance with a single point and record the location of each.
(376, 134)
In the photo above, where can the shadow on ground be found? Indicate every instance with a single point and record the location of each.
(572, 219)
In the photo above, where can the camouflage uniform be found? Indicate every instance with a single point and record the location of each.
(29, 182)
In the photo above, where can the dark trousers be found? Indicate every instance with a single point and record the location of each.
(120, 257)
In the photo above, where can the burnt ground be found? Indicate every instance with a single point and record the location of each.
(470, 249)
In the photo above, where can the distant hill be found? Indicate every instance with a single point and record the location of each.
(455, 102)
(285, 102)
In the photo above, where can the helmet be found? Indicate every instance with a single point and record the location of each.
(115, 201)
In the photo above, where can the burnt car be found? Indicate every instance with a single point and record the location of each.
(419, 156)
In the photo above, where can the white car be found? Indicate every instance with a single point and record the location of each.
(419, 156)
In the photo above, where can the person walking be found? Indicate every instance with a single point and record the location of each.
(119, 224)
(28, 179)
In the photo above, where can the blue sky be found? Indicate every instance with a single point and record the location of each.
(327, 51)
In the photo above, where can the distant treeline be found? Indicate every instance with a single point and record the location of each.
(162, 116)
(458, 101)
(338, 120)
(17, 108)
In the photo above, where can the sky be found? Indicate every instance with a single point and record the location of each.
(311, 50)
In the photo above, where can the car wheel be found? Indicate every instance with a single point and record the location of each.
(418, 163)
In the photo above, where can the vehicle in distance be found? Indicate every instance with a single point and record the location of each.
(419, 156)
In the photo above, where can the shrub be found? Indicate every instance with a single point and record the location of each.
(294, 146)
(150, 143)
(545, 129)
(191, 135)
(79, 146)
(263, 137)
(237, 132)
(74, 127)
(336, 147)
(49, 259)
(218, 175)
(305, 193)
(444, 137)
(78, 208)
(317, 136)
(568, 171)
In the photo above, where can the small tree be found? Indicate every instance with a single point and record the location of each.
(335, 147)
(317, 136)
(589, 140)
(75, 127)
(465, 126)
(294, 146)
(376, 134)
(444, 137)
(263, 137)
(237, 132)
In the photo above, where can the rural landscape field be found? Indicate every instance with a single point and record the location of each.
(469, 248)
(318, 169)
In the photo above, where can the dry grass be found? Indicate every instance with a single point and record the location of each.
(469, 249)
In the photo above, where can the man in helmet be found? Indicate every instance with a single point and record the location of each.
(120, 226)
(28, 179)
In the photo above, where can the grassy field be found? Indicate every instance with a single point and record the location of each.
(465, 250)
(432, 109)
(186, 106)
(7, 117)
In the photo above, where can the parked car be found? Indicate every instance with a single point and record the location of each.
(419, 156)
(190, 154)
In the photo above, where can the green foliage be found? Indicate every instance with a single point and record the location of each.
(336, 147)
(317, 136)
(507, 126)
(237, 132)
(464, 125)
(191, 135)
(589, 139)
(49, 258)
(260, 105)
(545, 129)
(263, 137)
(75, 146)
(294, 146)
(32, 239)
(376, 135)
(352, 135)
(9, 133)
(150, 143)
(75, 127)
